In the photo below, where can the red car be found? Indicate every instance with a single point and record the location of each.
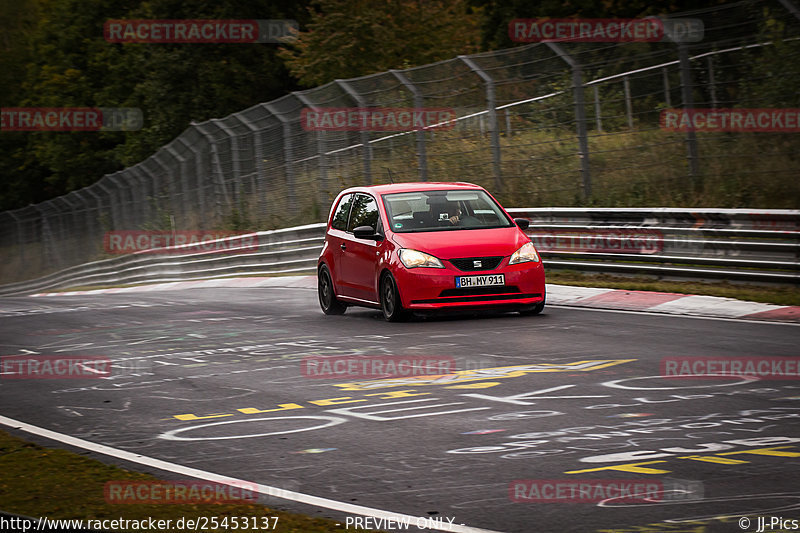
(425, 247)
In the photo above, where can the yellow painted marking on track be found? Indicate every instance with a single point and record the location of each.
(773, 451)
(628, 467)
(714, 459)
(336, 401)
(195, 417)
(281, 407)
(500, 372)
(483, 385)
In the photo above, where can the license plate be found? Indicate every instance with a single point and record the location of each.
(465, 282)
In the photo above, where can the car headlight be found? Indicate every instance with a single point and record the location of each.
(413, 259)
(526, 253)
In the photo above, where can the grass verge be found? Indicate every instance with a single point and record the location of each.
(55, 483)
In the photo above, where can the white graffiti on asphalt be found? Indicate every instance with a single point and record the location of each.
(636, 428)
(87, 307)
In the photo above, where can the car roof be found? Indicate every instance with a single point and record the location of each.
(414, 187)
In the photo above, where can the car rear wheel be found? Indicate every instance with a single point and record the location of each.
(391, 305)
(327, 299)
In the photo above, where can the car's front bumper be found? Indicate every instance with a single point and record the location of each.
(435, 288)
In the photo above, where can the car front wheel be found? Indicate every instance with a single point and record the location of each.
(390, 300)
(533, 310)
(327, 299)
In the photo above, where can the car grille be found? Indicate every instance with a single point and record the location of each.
(467, 264)
(474, 291)
(451, 296)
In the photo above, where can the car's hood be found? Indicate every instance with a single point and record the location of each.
(451, 244)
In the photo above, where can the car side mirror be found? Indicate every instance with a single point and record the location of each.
(523, 223)
(367, 232)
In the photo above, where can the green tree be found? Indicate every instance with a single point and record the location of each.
(67, 62)
(498, 13)
(352, 38)
(21, 175)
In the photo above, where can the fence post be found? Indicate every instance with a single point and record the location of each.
(114, 216)
(628, 103)
(288, 153)
(89, 222)
(237, 173)
(597, 115)
(321, 153)
(20, 236)
(199, 172)
(667, 96)
(98, 207)
(711, 84)
(364, 134)
(494, 134)
(258, 160)
(155, 190)
(422, 154)
(72, 232)
(48, 256)
(688, 104)
(166, 176)
(121, 200)
(215, 176)
(142, 190)
(182, 194)
(580, 117)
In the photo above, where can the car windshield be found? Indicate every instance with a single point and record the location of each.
(443, 210)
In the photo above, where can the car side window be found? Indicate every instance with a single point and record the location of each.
(342, 213)
(365, 212)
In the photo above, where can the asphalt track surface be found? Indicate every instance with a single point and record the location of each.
(212, 379)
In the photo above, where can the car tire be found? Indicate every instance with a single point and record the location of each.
(532, 310)
(391, 304)
(327, 298)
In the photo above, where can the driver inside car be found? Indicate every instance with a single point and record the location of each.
(456, 217)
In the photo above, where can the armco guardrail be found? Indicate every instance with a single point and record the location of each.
(292, 250)
(735, 244)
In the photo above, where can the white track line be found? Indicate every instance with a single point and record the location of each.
(210, 476)
(670, 315)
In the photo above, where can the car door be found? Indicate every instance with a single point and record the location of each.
(359, 257)
(336, 238)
